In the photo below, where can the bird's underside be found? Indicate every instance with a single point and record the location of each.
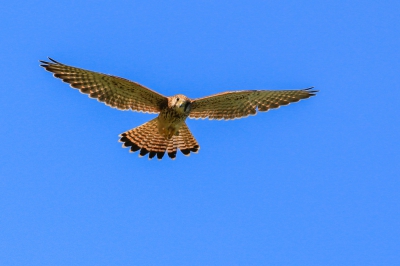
(168, 132)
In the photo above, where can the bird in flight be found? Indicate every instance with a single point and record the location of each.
(168, 132)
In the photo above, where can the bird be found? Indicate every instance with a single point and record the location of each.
(168, 132)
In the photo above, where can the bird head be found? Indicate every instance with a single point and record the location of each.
(181, 103)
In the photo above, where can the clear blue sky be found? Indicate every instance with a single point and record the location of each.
(312, 183)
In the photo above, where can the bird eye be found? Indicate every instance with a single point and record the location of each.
(177, 99)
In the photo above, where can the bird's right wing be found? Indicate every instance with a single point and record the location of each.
(237, 104)
(114, 91)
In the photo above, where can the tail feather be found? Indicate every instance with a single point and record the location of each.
(157, 145)
(137, 137)
(187, 143)
(171, 148)
(147, 140)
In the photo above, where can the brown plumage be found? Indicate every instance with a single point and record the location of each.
(147, 139)
(169, 132)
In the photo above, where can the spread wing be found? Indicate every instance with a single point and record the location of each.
(237, 104)
(116, 92)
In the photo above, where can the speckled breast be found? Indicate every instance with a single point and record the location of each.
(169, 122)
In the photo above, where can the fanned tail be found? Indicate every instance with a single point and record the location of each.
(147, 140)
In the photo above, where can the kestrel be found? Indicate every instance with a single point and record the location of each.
(168, 132)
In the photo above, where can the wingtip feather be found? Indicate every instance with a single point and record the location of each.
(54, 61)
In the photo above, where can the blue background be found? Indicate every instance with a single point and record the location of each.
(312, 183)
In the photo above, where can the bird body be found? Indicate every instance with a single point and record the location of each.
(168, 132)
(172, 117)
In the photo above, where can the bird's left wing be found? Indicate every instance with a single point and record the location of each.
(237, 104)
(114, 91)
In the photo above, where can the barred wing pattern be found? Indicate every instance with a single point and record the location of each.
(237, 104)
(114, 91)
